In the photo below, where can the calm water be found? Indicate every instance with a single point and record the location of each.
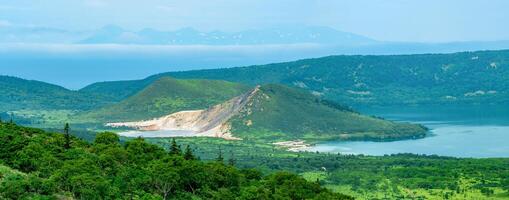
(466, 131)
(156, 134)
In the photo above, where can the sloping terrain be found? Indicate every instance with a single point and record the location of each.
(119, 90)
(276, 112)
(468, 77)
(18, 94)
(168, 95)
(212, 122)
(35, 164)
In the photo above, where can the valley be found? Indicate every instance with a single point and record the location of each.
(254, 100)
(353, 132)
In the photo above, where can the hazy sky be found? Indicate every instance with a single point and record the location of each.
(75, 66)
(389, 20)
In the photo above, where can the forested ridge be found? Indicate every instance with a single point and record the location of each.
(480, 77)
(18, 94)
(458, 78)
(42, 165)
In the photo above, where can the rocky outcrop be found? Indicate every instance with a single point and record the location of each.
(211, 122)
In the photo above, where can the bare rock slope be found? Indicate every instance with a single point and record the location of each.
(211, 122)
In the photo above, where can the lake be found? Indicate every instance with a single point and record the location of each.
(459, 131)
(158, 134)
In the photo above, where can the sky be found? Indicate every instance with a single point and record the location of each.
(75, 65)
(386, 20)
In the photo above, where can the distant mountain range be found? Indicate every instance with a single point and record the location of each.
(112, 34)
(337, 41)
(26, 51)
(190, 36)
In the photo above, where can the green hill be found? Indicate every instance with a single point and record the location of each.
(468, 77)
(168, 95)
(119, 90)
(278, 112)
(275, 113)
(19, 94)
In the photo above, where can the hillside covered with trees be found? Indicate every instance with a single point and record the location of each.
(42, 165)
(454, 78)
(21, 94)
(480, 77)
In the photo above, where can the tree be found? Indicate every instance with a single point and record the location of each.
(141, 152)
(67, 144)
(164, 177)
(174, 148)
(13, 186)
(83, 178)
(188, 154)
(137, 169)
(107, 138)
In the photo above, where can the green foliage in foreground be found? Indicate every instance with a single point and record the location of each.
(107, 169)
(279, 112)
(401, 176)
(165, 96)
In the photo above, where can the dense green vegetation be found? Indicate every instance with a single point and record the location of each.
(402, 176)
(119, 90)
(469, 77)
(279, 113)
(20, 94)
(165, 96)
(38, 165)
(276, 113)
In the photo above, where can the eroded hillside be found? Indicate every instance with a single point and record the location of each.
(277, 113)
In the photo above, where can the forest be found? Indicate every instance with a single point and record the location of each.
(398, 176)
(36, 164)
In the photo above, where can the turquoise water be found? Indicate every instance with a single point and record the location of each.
(466, 131)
